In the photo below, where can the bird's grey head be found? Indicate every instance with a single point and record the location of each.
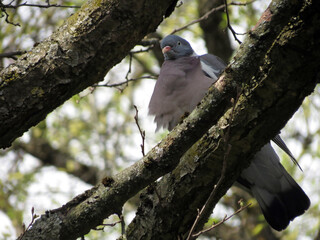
(174, 47)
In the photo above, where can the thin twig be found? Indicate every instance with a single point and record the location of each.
(125, 82)
(131, 53)
(229, 25)
(33, 218)
(212, 194)
(227, 150)
(106, 225)
(4, 7)
(130, 63)
(25, 4)
(207, 14)
(127, 79)
(142, 132)
(226, 218)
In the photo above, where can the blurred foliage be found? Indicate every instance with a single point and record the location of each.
(97, 128)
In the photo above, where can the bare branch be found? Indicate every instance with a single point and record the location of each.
(111, 85)
(213, 10)
(142, 132)
(6, 15)
(205, 16)
(226, 218)
(34, 217)
(206, 207)
(118, 85)
(11, 54)
(106, 225)
(26, 4)
(229, 25)
(4, 7)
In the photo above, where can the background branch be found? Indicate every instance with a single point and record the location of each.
(42, 150)
(26, 4)
(11, 54)
(213, 10)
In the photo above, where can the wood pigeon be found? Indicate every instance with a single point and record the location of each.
(183, 81)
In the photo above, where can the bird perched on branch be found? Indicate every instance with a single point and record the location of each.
(183, 81)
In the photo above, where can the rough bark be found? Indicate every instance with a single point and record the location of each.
(273, 88)
(75, 56)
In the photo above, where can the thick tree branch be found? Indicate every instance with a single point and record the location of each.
(75, 56)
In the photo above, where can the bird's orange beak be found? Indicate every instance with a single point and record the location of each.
(166, 49)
